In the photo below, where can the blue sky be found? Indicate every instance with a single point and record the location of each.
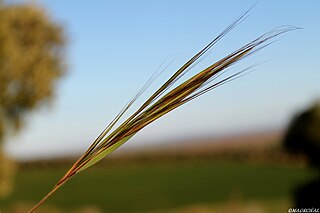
(114, 46)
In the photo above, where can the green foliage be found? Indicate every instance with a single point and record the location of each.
(31, 48)
(303, 134)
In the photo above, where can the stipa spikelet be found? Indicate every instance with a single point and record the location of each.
(167, 98)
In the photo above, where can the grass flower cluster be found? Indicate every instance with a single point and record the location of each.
(168, 97)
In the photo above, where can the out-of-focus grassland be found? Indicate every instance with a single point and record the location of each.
(252, 174)
(163, 187)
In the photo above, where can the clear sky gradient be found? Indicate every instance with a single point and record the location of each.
(114, 46)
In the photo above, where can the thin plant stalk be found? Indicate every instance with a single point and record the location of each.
(167, 98)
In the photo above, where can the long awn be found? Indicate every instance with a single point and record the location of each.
(168, 98)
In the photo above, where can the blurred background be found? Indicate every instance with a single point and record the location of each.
(66, 69)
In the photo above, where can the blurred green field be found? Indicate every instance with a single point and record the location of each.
(161, 186)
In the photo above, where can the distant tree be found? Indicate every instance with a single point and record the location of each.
(303, 135)
(31, 61)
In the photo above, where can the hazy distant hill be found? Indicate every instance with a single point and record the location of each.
(258, 147)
